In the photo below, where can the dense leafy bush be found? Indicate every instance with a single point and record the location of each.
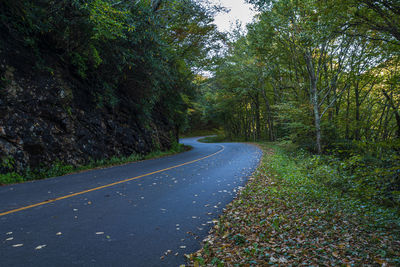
(366, 171)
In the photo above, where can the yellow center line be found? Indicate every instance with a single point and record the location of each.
(107, 185)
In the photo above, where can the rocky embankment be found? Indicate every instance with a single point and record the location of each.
(49, 116)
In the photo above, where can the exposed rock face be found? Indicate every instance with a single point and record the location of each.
(48, 118)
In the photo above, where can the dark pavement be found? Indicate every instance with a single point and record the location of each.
(133, 223)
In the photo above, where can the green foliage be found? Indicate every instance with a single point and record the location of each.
(220, 137)
(132, 55)
(312, 72)
(110, 22)
(11, 178)
(202, 132)
(7, 163)
(107, 97)
(79, 63)
(364, 177)
(57, 169)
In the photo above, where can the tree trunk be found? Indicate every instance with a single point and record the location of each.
(257, 111)
(314, 100)
(347, 115)
(358, 104)
(270, 122)
(395, 110)
(177, 133)
(317, 121)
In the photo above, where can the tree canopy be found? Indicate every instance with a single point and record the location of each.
(147, 51)
(323, 75)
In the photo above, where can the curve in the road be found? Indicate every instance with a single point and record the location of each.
(107, 185)
(145, 222)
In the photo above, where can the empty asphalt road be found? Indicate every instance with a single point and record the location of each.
(148, 213)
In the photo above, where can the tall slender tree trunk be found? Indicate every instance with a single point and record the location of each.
(177, 133)
(347, 115)
(269, 119)
(257, 113)
(317, 118)
(358, 104)
(314, 100)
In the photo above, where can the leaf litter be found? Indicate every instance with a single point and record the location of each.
(267, 224)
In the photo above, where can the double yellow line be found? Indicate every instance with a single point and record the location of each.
(108, 185)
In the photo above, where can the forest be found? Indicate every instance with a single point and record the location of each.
(316, 84)
(323, 76)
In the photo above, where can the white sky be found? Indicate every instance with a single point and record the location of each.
(239, 10)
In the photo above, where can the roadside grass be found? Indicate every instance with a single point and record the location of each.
(197, 133)
(284, 217)
(59, 168)
(213, 139)
(219, 138)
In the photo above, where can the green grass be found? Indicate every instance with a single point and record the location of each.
(219, 138)
(287, 216)
(197, 133)
(213, 139)
(59, 168)
(311, 184)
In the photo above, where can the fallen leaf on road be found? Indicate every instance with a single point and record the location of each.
(40, 247)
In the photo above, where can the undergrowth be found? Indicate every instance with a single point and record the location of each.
(219, 138)
(319, 181)
(288, 216)
(196, 133)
